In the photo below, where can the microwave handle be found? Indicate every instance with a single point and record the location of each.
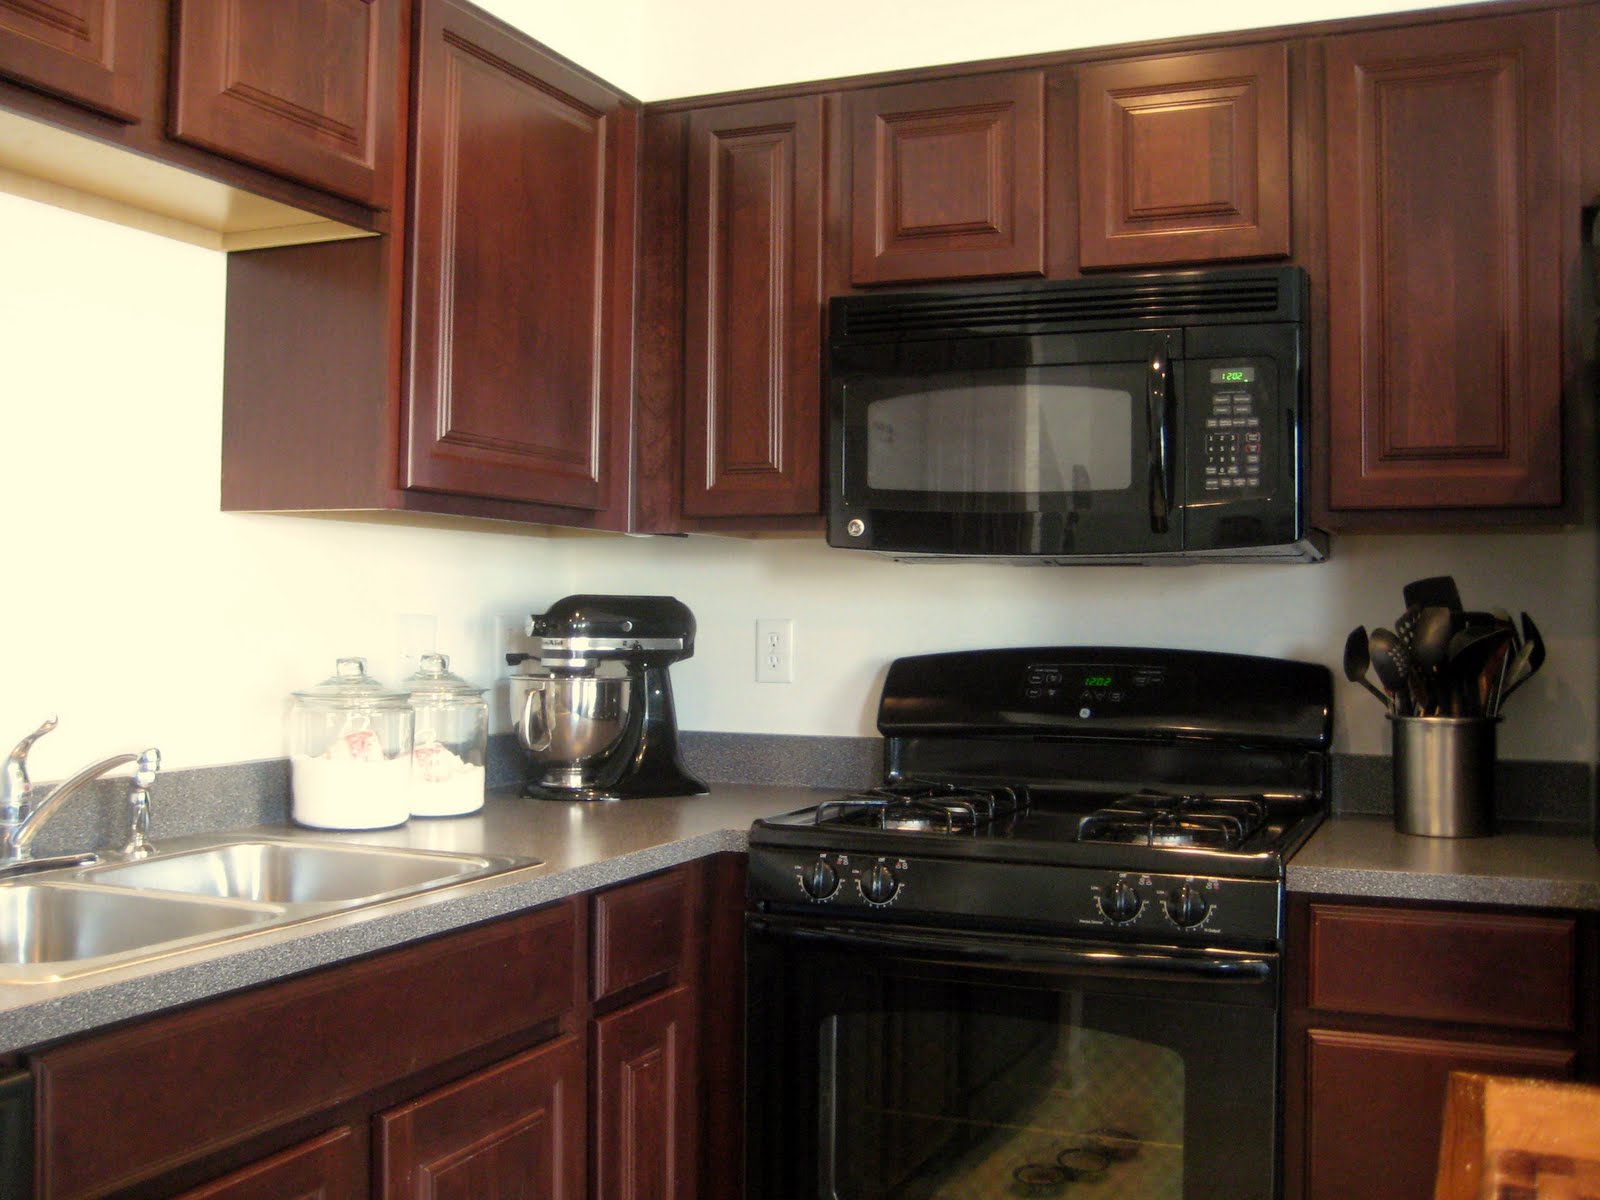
(1158, 416)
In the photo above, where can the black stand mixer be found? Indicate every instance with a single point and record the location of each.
(593, 703)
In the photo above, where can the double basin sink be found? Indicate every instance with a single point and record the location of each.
(67, 923)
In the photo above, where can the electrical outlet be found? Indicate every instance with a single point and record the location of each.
(775, 650)
(511, 637)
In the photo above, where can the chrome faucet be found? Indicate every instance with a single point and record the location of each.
(21, 817)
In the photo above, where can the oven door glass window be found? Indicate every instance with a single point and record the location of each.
(888, 1078)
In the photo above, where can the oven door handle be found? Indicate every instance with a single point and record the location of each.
(956, 949)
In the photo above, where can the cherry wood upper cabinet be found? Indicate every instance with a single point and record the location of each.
(1444, 185)
(1184, 158)
(753, 354)
(95, 52)
(303, 88)
(947, 179)
(521, 271)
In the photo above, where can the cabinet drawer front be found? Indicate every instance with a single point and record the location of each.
(216, 1074)
(639, 932)
(1498, 969)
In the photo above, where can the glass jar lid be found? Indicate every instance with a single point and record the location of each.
(351, 687)
(436, 682)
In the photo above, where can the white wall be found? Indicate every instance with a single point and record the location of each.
(143, 615)
(657, 49)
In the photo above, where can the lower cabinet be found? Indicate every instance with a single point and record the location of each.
(324, 1168)
(551, 1055)
(1386, 1000)
(511, 1130)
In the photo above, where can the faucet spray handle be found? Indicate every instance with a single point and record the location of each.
(14, 786)
(144, 775)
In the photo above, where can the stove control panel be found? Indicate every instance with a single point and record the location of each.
(1165, 905)
(851, 878)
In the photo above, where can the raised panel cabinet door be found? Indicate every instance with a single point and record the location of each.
(1184, 158)
(514, 1131)
(100, 53)
(521, 270)
(645, 1100)
(330, 1167)
(1375, 1107)
(1444, 282)
(304, 88)
(947, 179)
(753, 407)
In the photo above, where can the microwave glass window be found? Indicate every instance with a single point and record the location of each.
(986, 433)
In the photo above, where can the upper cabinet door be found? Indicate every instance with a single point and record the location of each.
(1444, 281)
(947, 179)
(520, 271)
(304, 88)
(753, 419)
(95, 52)
(1184, 158)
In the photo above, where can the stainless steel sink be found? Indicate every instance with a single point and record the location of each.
(294, 872)
(64, 923)
(57, 930)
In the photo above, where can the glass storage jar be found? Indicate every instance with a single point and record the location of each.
(451, 743)
(350, 752)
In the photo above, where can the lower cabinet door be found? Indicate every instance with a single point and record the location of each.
(514, 1130)
(1375, 1107)
(645, 1100)
(330, 1167)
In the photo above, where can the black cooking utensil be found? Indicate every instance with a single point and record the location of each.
(1529, 659)
(1392, 668)
(1436, 591)
(1357, 658)
(1471, 652)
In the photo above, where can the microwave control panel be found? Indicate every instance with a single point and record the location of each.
(1235, 451)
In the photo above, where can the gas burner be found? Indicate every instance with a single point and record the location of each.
(1163, 819)
(920, 806)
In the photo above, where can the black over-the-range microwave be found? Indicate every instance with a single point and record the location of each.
(1140, 418)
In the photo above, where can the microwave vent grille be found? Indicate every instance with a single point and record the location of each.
(1075, 304)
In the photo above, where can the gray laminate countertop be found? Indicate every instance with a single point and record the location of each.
(582, 846)
(1364, 856)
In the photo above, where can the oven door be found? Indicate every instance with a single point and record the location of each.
(900, 1063)
(1044, 445)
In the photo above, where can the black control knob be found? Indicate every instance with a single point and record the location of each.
(821, 881)
(879, 885)
(1120, 902)
(1186, 906)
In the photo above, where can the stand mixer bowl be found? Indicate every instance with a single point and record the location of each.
(569, 724)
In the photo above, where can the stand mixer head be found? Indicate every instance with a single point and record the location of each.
(593, 705)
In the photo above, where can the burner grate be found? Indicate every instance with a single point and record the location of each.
(1150, 818)
(924, 806)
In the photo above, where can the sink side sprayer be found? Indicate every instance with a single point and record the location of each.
(22, 816)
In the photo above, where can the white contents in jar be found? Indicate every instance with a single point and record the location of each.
(443, 784)
(351, 785)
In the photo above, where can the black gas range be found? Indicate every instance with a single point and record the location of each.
(1047, 950)
(1135, 791)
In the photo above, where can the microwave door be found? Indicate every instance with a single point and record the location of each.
(1068, 450)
